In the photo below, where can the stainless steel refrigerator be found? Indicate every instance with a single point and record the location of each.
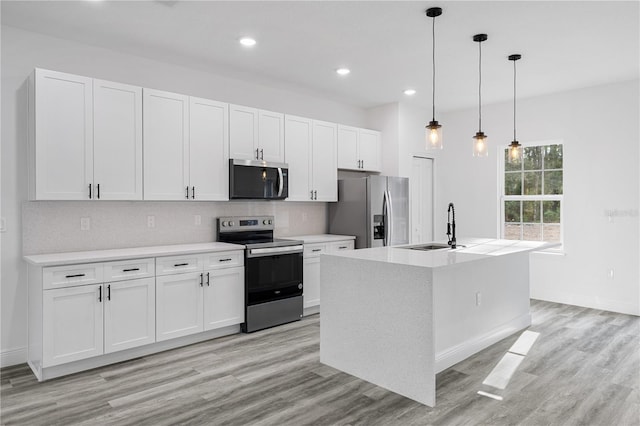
(375, 209)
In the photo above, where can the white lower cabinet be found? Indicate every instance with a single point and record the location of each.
(311, 269)
(129, 314)
(224, 298)
(73, 329)
(192, 302)
(179, 305)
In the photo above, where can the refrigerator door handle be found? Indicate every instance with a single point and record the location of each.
(389, 224)
(386, 218)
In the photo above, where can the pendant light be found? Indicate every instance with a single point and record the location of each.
(515, 150)
(480, 148)
(433, 131)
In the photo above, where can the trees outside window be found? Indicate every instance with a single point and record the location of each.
(532, 194)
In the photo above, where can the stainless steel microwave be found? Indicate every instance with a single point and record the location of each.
(258, 180)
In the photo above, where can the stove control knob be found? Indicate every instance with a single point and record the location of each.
(224, 223)
(270, 222)
(230, 223)
(264, 222)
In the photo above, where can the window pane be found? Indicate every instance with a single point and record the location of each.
(513, 184)
(532, 232)
(551, 233)
(510, 167)
(532, 158)
(551, 211)
(553, 157)
(512, 211)
(531, 211)
(512, 231)
(532, 183)
(553, 182)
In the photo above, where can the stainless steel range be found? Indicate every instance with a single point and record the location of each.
(273, 271)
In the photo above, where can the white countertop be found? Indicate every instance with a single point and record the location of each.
(127, 253)
(475, 249)
(320, 238)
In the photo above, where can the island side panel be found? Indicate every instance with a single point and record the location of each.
(477, 304)
(376, 323)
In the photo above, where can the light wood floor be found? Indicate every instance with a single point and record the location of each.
(583, 369)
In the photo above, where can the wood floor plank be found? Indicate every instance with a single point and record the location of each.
(583, 369)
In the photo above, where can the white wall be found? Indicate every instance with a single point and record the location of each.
(599, 128)
(54, 225)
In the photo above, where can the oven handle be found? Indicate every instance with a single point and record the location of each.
(260, 252)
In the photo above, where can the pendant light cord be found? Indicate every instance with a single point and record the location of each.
(480, 88)
(433, 62)
(514, 100)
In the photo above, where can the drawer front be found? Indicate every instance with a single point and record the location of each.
(312, 250)
(225, 259)
(129, 269)
(72, 275)
(340, 245)
(177, 264)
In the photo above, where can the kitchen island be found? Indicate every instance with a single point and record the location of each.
(396, 316)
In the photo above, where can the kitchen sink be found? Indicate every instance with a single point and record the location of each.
(433, 246)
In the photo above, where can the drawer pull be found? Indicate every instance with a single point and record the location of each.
(342, 247)
(181, 264)
(316, 250)
(130, 269)
(100, 294)
(201, 278)
(74, 276)
(109, 292)
(225, 260)
(208, 282)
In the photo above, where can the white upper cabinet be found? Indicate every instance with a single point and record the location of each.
(359, 149)
(255, 134)
(86, 136)
(166, 145)
(117, 141)
(208, 150)
(370, 150)
(311, 156)
(324, 161)
(61, 136)
(298, 133)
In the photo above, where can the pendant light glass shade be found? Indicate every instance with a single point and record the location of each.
(480, 148)
(515, 149)
(433, 131)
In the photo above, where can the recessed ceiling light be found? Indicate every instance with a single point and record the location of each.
(410, 92)
(343, 71)
(247, 41)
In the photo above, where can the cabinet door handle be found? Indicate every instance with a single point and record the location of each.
(98, 190)
(130, 269)
(74, 275)
(180, 264)
(225, 260)
(208, 280)
(315, 195)
(311, 194)
(363, 164)
(187, 194)
(109, 292)
(193, 192)
(89, 191)
(201, 279)
(262, 154)
(99, 293)
(257, 154)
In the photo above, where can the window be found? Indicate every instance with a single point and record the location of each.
(532, 194)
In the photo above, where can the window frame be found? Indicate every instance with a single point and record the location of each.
(502, 198)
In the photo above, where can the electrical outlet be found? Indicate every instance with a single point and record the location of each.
(197, 220)
(151, 221)
(3, 224)
(610, 273)
(478, 298)
(304, 216)
(85, 223)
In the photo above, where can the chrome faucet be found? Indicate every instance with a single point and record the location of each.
(451, 226)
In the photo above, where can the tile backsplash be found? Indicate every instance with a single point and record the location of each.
(55, 226)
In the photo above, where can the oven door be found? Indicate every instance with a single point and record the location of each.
(273, 273)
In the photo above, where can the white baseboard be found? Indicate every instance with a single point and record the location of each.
(457, 353)
(13, 357)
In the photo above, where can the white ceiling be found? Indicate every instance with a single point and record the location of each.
(386, 44)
